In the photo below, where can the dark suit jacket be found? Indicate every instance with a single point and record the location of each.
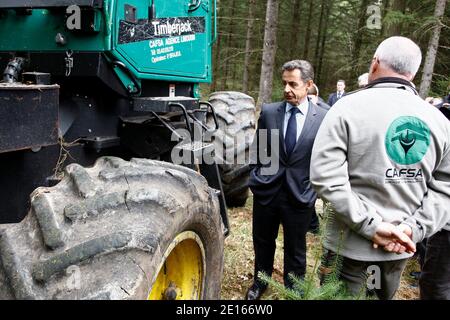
(332, 99)
(293, 171)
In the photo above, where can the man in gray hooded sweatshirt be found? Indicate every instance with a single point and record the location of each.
(382, 159)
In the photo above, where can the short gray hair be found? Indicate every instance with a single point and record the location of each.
(400, 54)
(306, 69)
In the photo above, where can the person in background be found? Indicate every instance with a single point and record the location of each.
(422, 246)
(437, 102)
(446, 98)
(313, 95)
(336, 96)
(445, 109)
(420, 256)
(363, 80)
(434, 279)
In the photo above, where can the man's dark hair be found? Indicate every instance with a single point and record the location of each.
(306, 69)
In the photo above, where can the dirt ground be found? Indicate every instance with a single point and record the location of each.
(239, 257)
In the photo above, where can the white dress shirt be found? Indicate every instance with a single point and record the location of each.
(300, 117)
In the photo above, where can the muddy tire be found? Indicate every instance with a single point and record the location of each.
(237, 118)
(105, 233)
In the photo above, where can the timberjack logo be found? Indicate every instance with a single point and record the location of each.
(407, 140)
(169, 29)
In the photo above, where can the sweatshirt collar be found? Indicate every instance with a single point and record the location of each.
(389, 81)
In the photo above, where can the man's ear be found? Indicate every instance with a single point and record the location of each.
(373, 68)
(375, 65)
(410, 77)
(309, 84)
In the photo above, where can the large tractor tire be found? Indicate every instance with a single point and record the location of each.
(236, 115)
(119, 230)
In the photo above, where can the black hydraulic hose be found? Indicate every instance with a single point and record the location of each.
(13, 70)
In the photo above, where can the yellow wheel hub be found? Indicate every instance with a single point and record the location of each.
(181, 273)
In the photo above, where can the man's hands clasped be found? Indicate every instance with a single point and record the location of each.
(395, 239)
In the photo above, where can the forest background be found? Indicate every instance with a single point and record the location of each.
(255, 37)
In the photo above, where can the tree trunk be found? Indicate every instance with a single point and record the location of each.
(269, 51)
(217, 54)
(359, 36)
(319, 35)
(430, 59)
(216, 64)
(308, 31)
(396, 29)
(295, 26)
(386, 6)
(226, 68)
(329, 5)
(248, 46)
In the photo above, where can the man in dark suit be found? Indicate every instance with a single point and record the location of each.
(334, 97)
(285, 195)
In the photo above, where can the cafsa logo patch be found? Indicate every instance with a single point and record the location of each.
(407, 140)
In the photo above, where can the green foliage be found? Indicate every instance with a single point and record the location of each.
(442, 85)
(348, 46)
(394, 18)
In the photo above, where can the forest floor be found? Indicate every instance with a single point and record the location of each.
(239, 258)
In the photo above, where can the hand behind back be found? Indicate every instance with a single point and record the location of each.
(395, 239)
